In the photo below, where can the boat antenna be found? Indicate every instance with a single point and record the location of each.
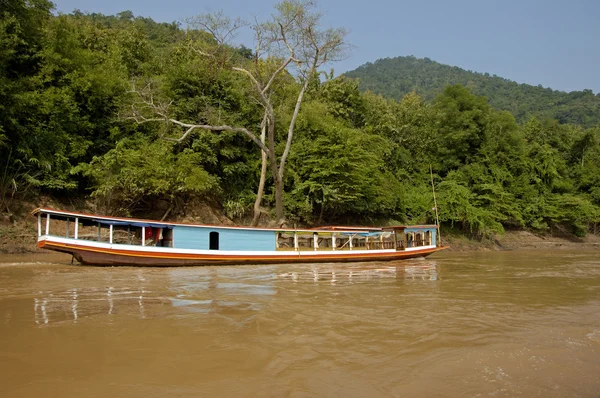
(437, 218)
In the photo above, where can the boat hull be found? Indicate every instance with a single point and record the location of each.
(113, 255)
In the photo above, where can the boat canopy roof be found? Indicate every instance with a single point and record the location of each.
(132, 223)
(92, 219)
(390, 228)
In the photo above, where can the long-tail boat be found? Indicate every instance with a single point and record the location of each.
(101, 240)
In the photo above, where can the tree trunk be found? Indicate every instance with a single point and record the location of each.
(280, 218)
(263, 177)
(278, 181)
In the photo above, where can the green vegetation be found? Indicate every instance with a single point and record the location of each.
(72, 125)
(396, 77)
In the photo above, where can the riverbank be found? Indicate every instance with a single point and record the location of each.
(18, 234)
(523, 240)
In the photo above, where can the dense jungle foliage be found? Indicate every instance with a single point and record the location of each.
(396, 77)
(356, 157)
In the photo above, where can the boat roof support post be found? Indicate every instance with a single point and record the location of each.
(110, 234)
(76, 227)
(143, 236)
(39, 224)
(316, 241)
(47, 223)
(333, 241)
(295, 240)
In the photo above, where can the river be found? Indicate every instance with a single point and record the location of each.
(481, 324)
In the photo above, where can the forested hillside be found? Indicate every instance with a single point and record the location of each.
(87, 103)
(396, 77)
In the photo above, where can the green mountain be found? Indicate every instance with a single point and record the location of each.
(395, 77)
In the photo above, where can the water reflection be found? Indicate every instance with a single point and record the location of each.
(236, 294)
(427, 271)
(355, 273)
(71, 305)
(40, 311)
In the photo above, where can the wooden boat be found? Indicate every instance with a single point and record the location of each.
(100, 240)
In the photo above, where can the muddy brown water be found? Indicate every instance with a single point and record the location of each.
(500, 324)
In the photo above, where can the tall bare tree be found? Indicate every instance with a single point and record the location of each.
(292, 42)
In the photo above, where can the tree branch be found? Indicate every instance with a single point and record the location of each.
(276, 73)
(192, 127)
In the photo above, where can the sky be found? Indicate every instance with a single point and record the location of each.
(552, 43)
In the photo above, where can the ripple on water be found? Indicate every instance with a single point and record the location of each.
(594, 336)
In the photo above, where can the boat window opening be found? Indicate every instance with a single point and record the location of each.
(372, 242)
(167, 237)
(153, 236)
(87, 232)
(380, 241)
(324, 242)
(342, 243)
(102, 233)
(389, 240)
(419, 239)
(213, 243)
(359, 243)
(136, 238)
(399, 237)
(157, 236)
(148, 234)
(400, 244)
(285, 241)
(305, 241)
(126, 235)
(428, 238)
